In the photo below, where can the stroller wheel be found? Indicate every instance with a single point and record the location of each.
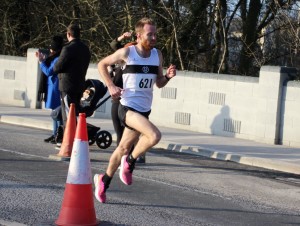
(92, 132)
(91, 141)
(103, 139)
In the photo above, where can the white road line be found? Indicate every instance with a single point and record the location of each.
(9, 223)
(152, 180)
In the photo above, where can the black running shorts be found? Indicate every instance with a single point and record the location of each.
(122, 110)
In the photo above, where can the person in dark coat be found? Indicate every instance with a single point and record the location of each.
(116, 74)
(117, 43)
(49, 81)
(71, 67)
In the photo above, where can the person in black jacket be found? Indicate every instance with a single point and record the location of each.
(116, 74)
(117, 43)
(71, 67)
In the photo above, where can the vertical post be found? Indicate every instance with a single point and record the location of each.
(270, 96)
(32, 79)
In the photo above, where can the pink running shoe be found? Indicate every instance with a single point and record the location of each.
(126, 171)
(99, 188)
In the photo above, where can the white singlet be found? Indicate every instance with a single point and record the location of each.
(139, 77)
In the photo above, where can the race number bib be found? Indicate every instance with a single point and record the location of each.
(140, 82)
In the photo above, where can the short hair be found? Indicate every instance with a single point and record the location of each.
(74, 30)
(141, 23)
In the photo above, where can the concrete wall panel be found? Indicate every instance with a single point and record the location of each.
(264, 109)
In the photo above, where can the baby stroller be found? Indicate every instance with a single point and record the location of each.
(94, 91)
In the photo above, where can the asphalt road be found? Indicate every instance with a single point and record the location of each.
(170, 189)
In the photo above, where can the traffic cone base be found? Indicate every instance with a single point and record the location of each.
(75, 210)
(64, 150)
(69, 134)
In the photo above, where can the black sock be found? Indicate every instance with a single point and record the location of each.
(106, 180)
(130, 160)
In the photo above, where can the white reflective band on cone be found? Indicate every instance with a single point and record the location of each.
(80, 168)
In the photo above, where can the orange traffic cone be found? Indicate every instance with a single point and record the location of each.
(69, 134)
(78, 204)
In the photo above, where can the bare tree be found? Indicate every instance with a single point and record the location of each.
(222, 36)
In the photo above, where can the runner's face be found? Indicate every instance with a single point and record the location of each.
(148, 37)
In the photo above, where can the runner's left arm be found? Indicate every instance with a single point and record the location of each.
(162, 79)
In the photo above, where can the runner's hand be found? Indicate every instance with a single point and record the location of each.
(171, 71)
